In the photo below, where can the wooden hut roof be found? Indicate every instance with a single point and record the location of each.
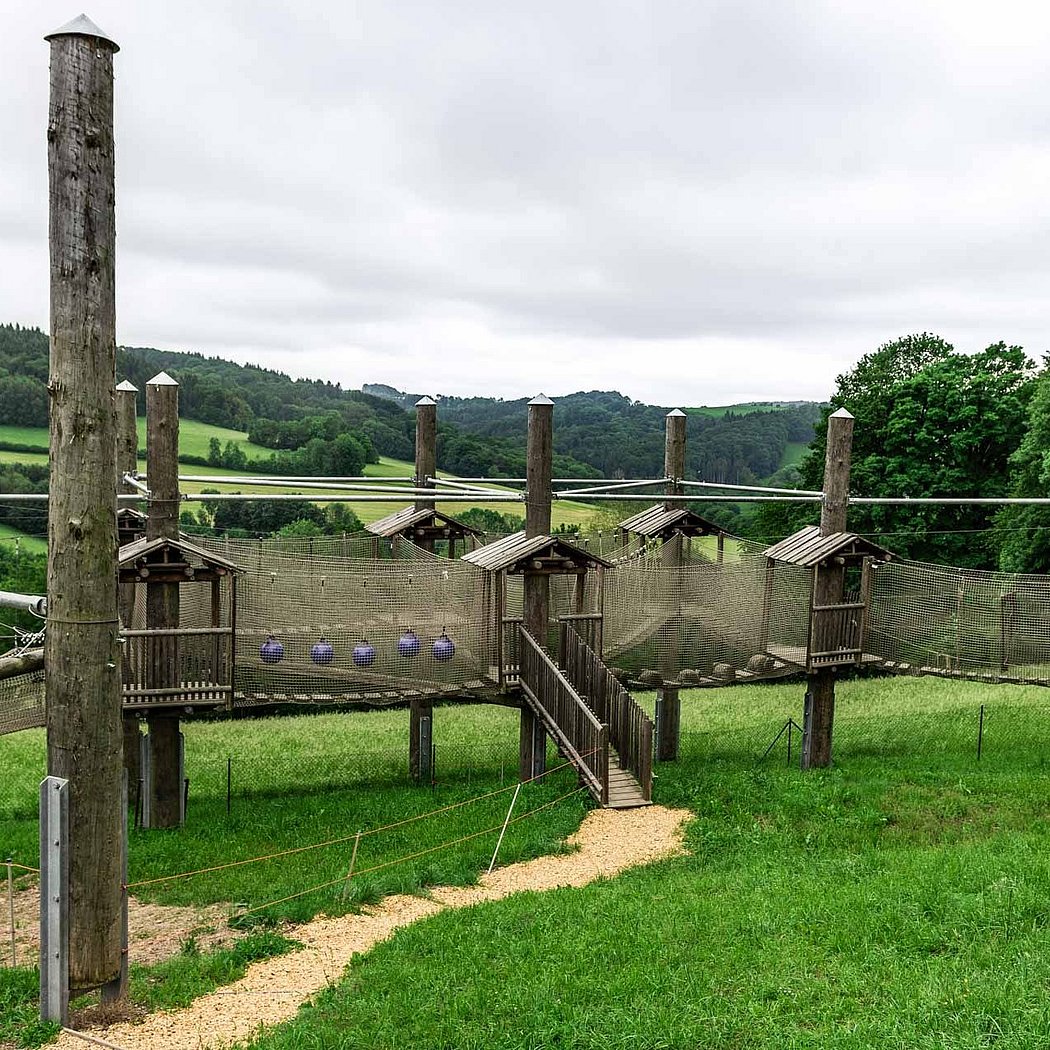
(408, 518)
(660, 520)
(808, 548)
(144, 550)
(517, 552)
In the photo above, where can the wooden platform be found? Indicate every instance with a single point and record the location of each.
(796, 655)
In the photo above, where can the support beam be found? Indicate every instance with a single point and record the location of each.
(162, 599)
(420, 740)
(426, 448)
(827, 589)
(668, 725)
(82, 653)
(539, 458)
(127, 461)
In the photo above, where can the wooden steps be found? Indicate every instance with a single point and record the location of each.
(624, 790)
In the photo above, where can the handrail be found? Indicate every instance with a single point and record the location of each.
(565, 714)
(630, 728)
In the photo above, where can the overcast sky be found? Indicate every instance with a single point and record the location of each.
(691, 202)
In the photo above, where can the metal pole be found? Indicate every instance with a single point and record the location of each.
(11, 903)
(54, 900)
(503, 830)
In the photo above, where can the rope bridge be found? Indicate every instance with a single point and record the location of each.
(348, 627)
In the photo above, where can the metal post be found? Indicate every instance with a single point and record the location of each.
(11, 902)
(980, 733)
(118, 988)
(54, 900)
(426, 743)
(146, 793)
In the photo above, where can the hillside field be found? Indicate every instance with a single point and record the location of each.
(194, 438)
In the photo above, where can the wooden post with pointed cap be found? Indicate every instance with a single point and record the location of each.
(421, 711)
(127, 461)
(828, 584)
(84, 735)
(668, 725)
(162, 599)
(538, 495)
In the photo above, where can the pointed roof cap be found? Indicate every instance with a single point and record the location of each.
(842, 413)
(675, 413)
(83, 26)
(162, 379)
(541, 399)
(426, 401)
(128, 385)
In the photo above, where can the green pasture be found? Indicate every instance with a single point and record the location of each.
(744, 409)
(32, 544)
(194, 438)
(899, 899)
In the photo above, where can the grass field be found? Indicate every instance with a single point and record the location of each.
(32, 544)
(744, 409)
(194, 438)
(901, 899)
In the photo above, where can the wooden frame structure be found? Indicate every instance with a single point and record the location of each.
(205, 656)
(836, 632)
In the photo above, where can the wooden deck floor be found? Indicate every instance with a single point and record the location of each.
(624, 790)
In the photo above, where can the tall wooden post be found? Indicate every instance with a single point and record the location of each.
(127, 460)
(538, 494)
(827, 589)
(421, 711)
(162, 599)
(426, 448)
(82, 651)
(668, 725)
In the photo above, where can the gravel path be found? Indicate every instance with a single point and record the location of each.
(608, 841)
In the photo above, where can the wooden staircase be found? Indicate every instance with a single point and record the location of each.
(604, 734)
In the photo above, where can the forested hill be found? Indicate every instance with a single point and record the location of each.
(621, 436)
(303, 420)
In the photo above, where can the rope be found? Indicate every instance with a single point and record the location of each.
(343, 839)
(410, 856)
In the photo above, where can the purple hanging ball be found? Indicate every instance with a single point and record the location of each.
(364, 654)
(444, 649)
(408, 644)
(271, 651)
(322, 653)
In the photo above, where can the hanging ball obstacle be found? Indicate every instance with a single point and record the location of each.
(322, 653)
(408, 644)
(364, 654)
(271, 651)
(444, 648)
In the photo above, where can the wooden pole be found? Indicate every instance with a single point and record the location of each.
(669, 724)
(421, 711)
(827, 589)
(127, 461)
(538, 496)
(426, 448)
(82, 653)
(162, 599)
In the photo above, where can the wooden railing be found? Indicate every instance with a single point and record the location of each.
(183, 665)
(510, 650)
(579, 734)
(837, 632)
(630, 728)
(588, 626)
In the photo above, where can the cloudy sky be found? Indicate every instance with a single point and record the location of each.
(693, 202)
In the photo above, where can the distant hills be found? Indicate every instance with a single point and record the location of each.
(596, 432)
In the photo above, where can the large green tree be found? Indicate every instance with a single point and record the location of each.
(1025, 531)
(929, 422)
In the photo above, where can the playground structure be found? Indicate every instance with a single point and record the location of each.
(145, 624)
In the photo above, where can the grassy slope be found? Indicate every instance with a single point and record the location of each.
(194, 438)
(744, 409)
(32, 544)
(897, 900)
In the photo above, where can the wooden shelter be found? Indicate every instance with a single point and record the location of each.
(834, 634)
(131, 525)
(662, 523)
(545, 555)
(179, 666)
(422, 526)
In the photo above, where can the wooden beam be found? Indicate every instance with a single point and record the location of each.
(162, 597)
(84, 732)
(827, 590)
(426, 449)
